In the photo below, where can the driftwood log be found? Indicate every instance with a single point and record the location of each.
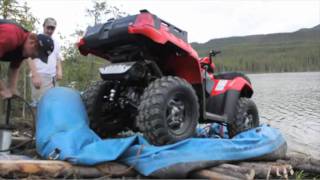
(49, 168)
(19, 167)
(305, 163)
(249, 170)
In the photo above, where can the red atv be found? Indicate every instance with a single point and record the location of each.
(157, 84)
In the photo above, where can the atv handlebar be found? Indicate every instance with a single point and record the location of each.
(214, 53)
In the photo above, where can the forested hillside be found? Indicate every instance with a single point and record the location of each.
(281, 52)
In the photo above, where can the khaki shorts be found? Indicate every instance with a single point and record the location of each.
(47, 82)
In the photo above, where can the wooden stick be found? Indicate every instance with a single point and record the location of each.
(225, 171)
(9, 168)
(208, 174)
(248, 173)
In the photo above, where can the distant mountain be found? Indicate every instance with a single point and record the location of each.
(293, 51)
(315, 28)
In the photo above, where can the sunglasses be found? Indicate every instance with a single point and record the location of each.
(50, 27)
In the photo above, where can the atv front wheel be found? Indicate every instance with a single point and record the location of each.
(102, 119)
(246, 117)
(168, 111)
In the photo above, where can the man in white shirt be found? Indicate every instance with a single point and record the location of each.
(51, 71)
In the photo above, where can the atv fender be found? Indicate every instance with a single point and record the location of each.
(237, 84)
(242, 85)
(186, 67)
(233, 90)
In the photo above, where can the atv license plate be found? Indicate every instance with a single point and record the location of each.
(117, 68)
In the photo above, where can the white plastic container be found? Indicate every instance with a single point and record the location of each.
(5, 140)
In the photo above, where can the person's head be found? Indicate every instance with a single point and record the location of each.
(38, 46)
(49, 25)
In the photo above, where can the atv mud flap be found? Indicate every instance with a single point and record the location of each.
(231, 101)
(62, 133)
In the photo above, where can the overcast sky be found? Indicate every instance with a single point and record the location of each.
(203, 19)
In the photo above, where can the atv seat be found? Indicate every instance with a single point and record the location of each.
(231, 75)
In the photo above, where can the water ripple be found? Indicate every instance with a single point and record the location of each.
(291, 103)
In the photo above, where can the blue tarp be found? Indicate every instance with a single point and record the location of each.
(62, 132)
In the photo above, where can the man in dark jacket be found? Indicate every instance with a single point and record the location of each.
(16, 45)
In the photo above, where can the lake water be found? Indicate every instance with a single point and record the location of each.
(291, 103)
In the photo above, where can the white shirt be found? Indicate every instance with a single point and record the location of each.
(49, 68)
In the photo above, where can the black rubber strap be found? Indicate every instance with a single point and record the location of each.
(8, 111)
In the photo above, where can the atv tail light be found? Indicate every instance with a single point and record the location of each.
(81, 42)
(80, 45)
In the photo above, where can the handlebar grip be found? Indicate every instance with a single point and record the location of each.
(213, 52)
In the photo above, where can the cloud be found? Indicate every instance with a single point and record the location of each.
(203, 19)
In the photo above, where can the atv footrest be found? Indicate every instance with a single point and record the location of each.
(216, 118)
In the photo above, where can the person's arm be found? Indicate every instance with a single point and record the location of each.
(4, 91)
(2, 85)
(13, 77)
(36, 81)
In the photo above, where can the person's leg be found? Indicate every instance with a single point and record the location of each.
(36, 94)
(34, 97)
(47, 84)
(55, 82)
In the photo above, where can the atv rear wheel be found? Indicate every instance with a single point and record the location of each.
(168, 111)
(105, 122)
(246, 117)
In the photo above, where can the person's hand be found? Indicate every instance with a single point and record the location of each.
(36, 81)
(59, 76)
(6, 94)
(15, 92)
